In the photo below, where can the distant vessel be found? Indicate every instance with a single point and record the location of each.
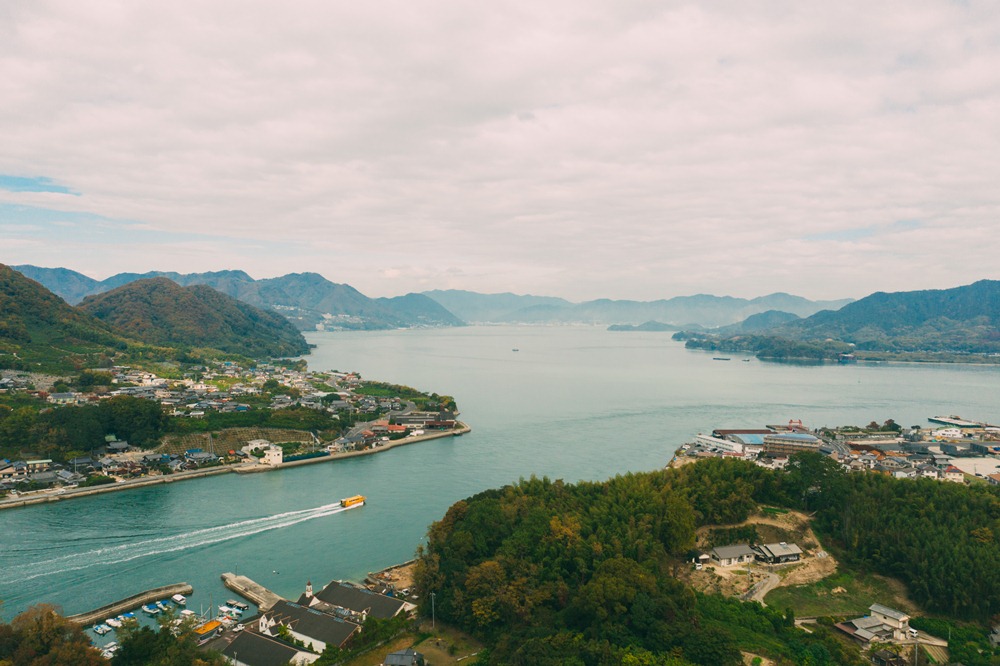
(355, 500)
(954, 421)
(515, 349)
(721, 358)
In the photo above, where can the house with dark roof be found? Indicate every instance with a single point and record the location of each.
(313, 627)
(356, 599)
(727, 556)
(252, 649)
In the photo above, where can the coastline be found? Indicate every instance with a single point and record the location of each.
(58, 495)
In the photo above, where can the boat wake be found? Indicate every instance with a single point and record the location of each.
(168, 544)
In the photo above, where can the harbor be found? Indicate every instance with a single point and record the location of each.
(131, 603)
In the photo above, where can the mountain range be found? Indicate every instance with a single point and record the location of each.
(159, 311)
(152, 319)
(308, 300)
(701, 310)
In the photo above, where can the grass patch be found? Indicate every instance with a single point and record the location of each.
(855, 593)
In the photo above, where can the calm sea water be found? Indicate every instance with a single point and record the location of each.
(573, 403)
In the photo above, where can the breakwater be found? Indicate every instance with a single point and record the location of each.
(250, 589)
(130, 603)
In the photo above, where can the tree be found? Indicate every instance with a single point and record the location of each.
(40, 636)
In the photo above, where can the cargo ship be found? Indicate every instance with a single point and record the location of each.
(356, 500)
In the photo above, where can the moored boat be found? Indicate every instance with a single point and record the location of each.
(162, 606)
(102, 629)
(150, 610)
(179, 599)
(113, 622)
(238, 605)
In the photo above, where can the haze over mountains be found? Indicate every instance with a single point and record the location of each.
(310, 301)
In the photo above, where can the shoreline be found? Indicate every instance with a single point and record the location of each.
(58, 495)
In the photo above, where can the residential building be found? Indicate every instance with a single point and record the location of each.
(313, 627)
(727, 556)
(778, 553)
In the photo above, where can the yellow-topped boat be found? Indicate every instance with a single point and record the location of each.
(348, 502)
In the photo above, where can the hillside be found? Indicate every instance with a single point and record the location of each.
(159, 311)
(307, 300)
(960, 319)
(701, 310)
(39, 331)
(936, 324)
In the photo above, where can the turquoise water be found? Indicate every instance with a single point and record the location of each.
(572, 403)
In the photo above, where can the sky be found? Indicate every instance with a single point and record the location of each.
(582, 149)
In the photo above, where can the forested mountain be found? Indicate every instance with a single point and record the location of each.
(553, 573)
(39, 331)
(305, 299)
(959, 321)
(161, 312)
(702, 309)
(761, 322)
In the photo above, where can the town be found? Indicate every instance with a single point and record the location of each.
(352, 417)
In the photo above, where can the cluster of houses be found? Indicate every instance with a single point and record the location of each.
(916, 454)
(743, 553)
(298, 632)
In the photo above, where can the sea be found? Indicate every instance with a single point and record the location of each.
(567, 402)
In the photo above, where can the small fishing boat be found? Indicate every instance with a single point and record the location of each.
(238, 605)
(186, 613)
(102, 629)
(126, 616)
(226, 610)
(113, 622)
(162, 606)
(150, 610)
(179, 599)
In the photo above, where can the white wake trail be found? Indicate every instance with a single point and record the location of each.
(158, 546)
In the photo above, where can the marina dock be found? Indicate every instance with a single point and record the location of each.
(248, 589)
(135, 601)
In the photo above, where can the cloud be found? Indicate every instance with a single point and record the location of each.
(631, 150)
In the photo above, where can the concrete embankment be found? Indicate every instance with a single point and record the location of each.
(460, 430)
(131, 603)
(43, 497)
(249, 589)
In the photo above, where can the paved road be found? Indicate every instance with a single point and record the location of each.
(763, 588)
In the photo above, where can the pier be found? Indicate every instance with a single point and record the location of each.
(135, 601)
(249, 589)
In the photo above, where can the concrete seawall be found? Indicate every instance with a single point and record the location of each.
(249, 589)
(73, 493)
(133, 602)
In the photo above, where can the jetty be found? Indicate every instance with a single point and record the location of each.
(249, 589)
(135, 601)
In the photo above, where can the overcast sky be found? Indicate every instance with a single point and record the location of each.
(572, 148)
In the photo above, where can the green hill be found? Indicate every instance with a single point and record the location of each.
(962, 319)
(39, 331)
(159, 311)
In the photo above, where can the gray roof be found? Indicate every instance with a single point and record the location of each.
(780, 549)
(888, 612)
(735, 550)
(313, 623)
(360, 599)
(256, 650)
(407, 657)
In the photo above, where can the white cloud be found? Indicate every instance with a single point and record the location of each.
(579, 149)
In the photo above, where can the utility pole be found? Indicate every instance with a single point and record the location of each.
(432, 610)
